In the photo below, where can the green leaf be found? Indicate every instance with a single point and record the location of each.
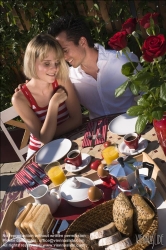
(151, 21)
(155, 83)
(96, 6)
(143, 79)
(135, 110)
(141, 123)
(163, 91)
(127, 68)
(119, 91)
(157, 114)
(134, 88)
(143, 102)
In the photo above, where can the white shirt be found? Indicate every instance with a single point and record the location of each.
(98, 96)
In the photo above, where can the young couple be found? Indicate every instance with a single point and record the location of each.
(50, 102)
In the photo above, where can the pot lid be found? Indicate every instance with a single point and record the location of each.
(76, 188)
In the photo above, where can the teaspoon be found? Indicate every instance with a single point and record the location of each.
(31, 183)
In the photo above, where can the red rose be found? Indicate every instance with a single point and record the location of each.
(118, 41)
(153, 47)
(145, 21)
(129, 25)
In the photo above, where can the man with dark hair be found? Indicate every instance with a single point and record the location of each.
(95, 72)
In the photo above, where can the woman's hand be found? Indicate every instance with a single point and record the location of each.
(59, 97)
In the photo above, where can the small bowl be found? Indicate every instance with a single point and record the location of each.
(74, 188)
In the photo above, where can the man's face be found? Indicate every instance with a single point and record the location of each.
(73, 54)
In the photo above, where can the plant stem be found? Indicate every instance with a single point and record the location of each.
(138, 42)
(130, 60)
(153, 31)
(159, 69)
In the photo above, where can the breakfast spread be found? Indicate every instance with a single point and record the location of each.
(131, 215)
(35, 221)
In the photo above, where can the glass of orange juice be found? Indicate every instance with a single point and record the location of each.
(55, 173)
(110, 153)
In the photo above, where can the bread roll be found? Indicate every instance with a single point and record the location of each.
(123, 214)
(103, 231)
(143, 214)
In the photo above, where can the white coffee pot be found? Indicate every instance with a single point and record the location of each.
(43, 195)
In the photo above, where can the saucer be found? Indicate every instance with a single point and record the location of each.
(85, 161)
(142, 145)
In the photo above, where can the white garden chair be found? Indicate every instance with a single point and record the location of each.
(7, 117)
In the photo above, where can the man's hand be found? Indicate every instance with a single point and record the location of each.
(19, 86)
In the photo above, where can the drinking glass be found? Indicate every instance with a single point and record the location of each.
(55, 173)
(110, 153)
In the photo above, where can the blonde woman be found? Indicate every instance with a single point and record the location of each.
(47, 103)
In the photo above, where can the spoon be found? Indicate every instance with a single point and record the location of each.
(31, 183)
(41, 175)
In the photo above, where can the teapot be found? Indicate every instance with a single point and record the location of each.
(42, 195)
(127, 176)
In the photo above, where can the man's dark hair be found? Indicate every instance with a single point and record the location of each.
(75, 28)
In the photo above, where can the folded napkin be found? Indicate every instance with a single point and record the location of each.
(86, 141)
(23, 175)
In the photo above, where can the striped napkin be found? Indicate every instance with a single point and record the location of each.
(86, 141)
(24, 178)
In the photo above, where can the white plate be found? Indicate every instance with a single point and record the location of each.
(123, 124)
(53, 151)
(85, 161)
(142, 145)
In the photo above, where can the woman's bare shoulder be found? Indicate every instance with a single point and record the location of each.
(18, 97)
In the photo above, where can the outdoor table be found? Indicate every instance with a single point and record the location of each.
(16, 190)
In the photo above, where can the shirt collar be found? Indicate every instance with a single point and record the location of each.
(101, 56)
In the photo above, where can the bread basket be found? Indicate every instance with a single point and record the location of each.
(101, 215)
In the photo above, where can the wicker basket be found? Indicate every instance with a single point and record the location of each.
(101, 215)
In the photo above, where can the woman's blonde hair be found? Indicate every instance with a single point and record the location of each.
(39, 47)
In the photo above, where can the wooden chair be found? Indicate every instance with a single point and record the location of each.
(7, 117)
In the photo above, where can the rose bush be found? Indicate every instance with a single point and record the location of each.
(150, 81)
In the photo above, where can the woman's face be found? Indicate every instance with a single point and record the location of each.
(48, 68)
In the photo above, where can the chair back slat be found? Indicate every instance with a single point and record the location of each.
(6, 118)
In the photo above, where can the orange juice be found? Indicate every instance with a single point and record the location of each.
(110, 153)
(55, 173)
